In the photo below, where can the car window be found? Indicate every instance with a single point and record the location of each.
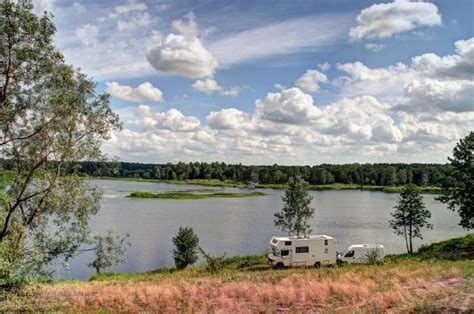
(349, 254)
(285, 252)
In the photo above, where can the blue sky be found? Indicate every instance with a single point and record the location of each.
(292, 82)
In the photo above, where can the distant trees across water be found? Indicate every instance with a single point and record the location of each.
(382, 174)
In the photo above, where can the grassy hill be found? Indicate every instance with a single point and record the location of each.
(438, 278)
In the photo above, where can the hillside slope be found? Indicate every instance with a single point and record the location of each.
(246, 285)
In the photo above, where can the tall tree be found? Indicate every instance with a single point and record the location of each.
(186, 244)
(458, 184)
(50, 118)
(296, 212)
(410, 215)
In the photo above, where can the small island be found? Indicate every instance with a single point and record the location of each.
(191, 195)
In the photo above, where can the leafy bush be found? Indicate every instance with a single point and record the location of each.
(214, 263)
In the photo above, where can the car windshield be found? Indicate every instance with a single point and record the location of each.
(275, 251)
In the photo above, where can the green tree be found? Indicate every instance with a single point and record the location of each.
(108, 251)
(186, 244)
(50, 118)
(410, 215)
(458, 185)
(296, 210)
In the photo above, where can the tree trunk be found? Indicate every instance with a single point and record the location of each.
(406, 238)
(411, 240)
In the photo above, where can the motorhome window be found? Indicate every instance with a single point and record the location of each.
(349, 254)
(325, 251)
(274, 241)
(325, 242)
(302, 249)
(285, 252)
(287, 242)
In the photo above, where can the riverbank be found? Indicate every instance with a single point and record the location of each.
(426, 282)
(191, 195)
(322, 187)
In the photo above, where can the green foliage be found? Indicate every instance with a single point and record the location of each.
(220, 174)
(248, 262)
(214, 264)
(191, 196)
(108, 251)
(296, 210)
(186, 244)
(453, 249)
(373, 257)
(458, 184)
(50, 118)
(410, 215)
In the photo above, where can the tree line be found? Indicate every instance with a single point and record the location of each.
(381, 174)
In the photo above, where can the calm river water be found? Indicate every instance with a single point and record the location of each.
(243, 225)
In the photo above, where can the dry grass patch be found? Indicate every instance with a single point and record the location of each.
(368, 288)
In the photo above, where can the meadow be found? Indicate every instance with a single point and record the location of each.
(431, 280)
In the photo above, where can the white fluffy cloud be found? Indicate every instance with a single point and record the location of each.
(233, 91)
(143, 92)
(308, 82)
(361, 119)
(183, 53)
(362, 80)
(207, 86)
(87, 34)
(375, 47)
(172, 120)
(457, 66)
(430, 83)
(230, 118)
(324, 66)
(133, 22)
(351, 128)
(387, 19)
(127, 8)
(290, 106)
(429, 95)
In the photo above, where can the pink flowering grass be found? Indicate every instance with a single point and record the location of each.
(399, 287)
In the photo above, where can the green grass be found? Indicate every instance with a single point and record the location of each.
(440, 254)
(408, 283)
(191, 196)
(454, 249)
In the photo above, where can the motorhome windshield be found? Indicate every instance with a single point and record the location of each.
(275, 251)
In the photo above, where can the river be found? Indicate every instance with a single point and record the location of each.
(241, 226)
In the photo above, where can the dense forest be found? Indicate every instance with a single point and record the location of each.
(363, 174)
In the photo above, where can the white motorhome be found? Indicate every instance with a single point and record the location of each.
(313, 250)
(361, 254)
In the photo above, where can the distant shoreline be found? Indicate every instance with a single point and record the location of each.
(323, 187)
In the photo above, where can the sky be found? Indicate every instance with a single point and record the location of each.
(287, 82)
